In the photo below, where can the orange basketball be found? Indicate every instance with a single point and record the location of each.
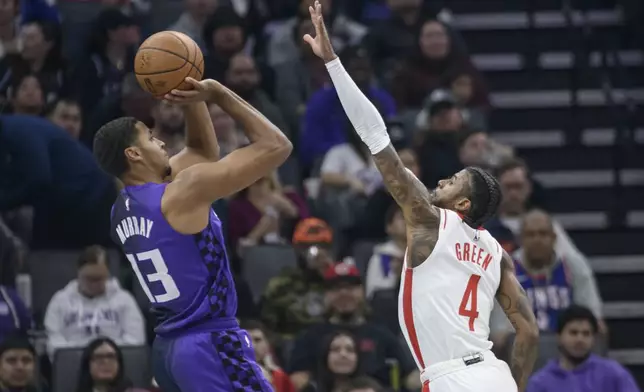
(164, 60)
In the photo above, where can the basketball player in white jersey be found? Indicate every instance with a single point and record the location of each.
(453, 268)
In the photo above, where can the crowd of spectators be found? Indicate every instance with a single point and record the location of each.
(328, 323)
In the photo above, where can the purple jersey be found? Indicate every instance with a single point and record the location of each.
(186, 277)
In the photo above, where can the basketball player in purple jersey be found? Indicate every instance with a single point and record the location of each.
(163, 221)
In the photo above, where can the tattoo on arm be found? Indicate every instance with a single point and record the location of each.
(515, 304)
(421, 217)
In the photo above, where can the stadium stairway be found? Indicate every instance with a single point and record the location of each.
(528, 59)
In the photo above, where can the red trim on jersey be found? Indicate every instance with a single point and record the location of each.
(444, 214)
(409, 316)
(425, 386)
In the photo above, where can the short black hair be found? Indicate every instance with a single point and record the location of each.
(362, 382)
(110, 143)
(16, 342)
(510, 164)
(51, 107)
(485, 196)
(91, 255)
(576, 313)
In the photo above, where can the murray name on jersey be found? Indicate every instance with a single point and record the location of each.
(468, 251)
(133, 225)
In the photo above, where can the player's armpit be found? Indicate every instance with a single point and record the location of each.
(514, 302)
(421, 217)
(186, 201)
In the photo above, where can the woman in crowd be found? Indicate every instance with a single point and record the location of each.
(102, 369)
(339, 364)
(261, 212)
(26, 95)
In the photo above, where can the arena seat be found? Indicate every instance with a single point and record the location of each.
(51, 270)
(263, 262)
(361, 253)
(66, 367)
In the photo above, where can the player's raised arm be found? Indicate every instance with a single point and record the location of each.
(195, 188)
(515, 304)
(201, 140)
(410, 194)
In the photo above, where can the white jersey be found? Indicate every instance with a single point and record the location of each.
(445, 303)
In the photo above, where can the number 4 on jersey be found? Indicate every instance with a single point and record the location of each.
(470, 296)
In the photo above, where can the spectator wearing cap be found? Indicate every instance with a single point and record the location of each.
(437, 142)
(110, 55)
(347, 310)
(325, 123)
(577, 368)
(14, 315)
(294, 299)
(17, 365)
(192, 21)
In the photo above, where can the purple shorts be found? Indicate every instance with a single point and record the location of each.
(208, 362)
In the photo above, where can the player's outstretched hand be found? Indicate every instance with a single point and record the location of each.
(201, 91)
(321, 44)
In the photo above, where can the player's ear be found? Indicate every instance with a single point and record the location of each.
(463, 205)
(133, 153)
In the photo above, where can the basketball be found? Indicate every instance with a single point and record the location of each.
(164, 60)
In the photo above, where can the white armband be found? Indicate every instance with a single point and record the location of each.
(361, 112)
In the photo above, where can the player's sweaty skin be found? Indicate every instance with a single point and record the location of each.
(516, 305)
(421, 217)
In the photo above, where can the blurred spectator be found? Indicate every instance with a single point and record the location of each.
(224, 35)
(40, 55)
(577, 368)
(339, 363)
(296, 80)
(373, 221)
(263, 355)
(362, 384)
(428, 67)
(325, 123)
(26, 96)
(193, 19)
(93, 305)
(260, 212)
(294, 299)
(169, 126)
(66, 113)
(347, 310)
(520, 193)
(110, 56)
(14, 316)
(131, 100)
(9, 20)
(12, 250)
(283, 45)
(229, 136)
(438, 144)
(552, 281)
(17, 365)
(101, 368)
(478, 149)
(383, 271)
(461, 85)
(44, 167)
(39, 10)
(243, 77)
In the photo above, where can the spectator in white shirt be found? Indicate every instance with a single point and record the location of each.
(383, 271)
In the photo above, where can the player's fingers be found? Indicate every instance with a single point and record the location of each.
(308, 39)
(184, 93)
(194, 83)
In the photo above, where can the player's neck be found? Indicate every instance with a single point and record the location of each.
(134, 179)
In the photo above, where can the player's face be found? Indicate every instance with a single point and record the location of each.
(343, 357)
(576, 340)
(16, 368)
(92, 279)
(260, 344)
(450, 192)
(104, 365)
(150, 151)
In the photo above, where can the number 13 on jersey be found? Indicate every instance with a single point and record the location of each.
(160, 274)
(470, 297)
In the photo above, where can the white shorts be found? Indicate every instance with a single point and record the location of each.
(489, 375)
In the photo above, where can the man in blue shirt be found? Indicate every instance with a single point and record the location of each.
(46, 168)
(577, 369)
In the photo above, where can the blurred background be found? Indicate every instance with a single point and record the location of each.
(545, 94)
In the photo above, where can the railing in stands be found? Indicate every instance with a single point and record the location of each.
(622, 108)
